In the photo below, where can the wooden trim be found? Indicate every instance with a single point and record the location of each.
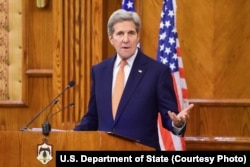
(12, 103)
(39, 72)
(218, 143)
(220, 102)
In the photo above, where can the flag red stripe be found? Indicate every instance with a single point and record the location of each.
(178, 51)
(181, 71)
(165, 137)
(176, 92)
(185, 93)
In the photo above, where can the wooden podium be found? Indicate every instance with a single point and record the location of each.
(20, 149)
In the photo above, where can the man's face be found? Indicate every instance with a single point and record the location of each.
(125, 38)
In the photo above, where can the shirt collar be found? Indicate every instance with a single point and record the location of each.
(130, 60)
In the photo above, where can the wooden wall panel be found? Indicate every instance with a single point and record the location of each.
(214, 39)
(109, 7)
(150, 17)
(219, 124)
(219, 118)
(79, 32)
(230, 50)
(38, 35)
(195, 26)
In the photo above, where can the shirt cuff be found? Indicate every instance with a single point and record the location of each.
(178, 131)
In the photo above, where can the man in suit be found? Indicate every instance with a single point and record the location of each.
(148, 89)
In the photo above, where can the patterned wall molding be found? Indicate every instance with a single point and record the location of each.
(10, 50)
(4, 50)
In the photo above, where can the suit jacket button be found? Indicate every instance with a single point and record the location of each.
(113, 129)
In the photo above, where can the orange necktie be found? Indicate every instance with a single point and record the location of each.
(118, 87)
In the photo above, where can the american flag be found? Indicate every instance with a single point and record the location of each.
(169, 54)
(128, 5)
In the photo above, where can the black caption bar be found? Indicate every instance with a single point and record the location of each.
(161, 158)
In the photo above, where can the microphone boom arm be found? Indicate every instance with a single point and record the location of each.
(55, 100)
(46, 127)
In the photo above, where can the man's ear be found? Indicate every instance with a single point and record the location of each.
(139, 37)
(110, 39)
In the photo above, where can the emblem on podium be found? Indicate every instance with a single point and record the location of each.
(44, 152)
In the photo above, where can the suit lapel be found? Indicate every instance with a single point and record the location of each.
(107, 85)
(136, 74)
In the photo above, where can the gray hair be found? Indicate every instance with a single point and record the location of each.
(123, 15)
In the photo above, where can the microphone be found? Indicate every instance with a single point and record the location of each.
(46, 127)
(53, 102)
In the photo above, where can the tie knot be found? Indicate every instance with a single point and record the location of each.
(123, 63)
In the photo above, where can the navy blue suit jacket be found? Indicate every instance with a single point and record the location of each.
(148, 91)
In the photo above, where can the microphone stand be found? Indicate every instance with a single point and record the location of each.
(54, 101)
(46, 127)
